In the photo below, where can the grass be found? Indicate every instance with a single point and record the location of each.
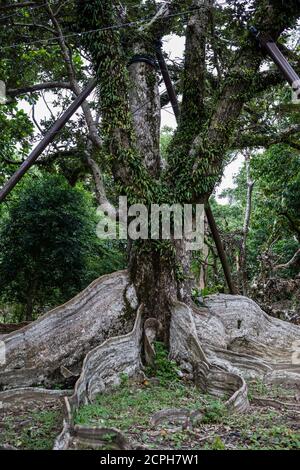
(36, 431)
(265, 430)
(258, 388)
(130, 407)
(131, 404)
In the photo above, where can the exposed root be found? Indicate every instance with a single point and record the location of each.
(239, 337)
(30, 393)
(102, 368)
(187, 350)
(219, 346)
(22, 417)
(36, 353)
(97, 438)
(186, 417)
(279, 405)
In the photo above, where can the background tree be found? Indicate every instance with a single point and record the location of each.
(48, 246)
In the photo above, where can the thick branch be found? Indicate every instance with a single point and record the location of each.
(293, 261)
(144, 102)
(192, 108)
(235, 93)
(266, 140)
(33, 25)
(14, 92)
(268, 79)
(93, 133)
(48, 160)
(162, 21)
(100, 188)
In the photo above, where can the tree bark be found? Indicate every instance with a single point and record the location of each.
(30, 301)
(154, 278)
(243, 252)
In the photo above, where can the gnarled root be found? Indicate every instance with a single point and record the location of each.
(186, 349)
(239, 337)
(102, 368)
(43, 351)
(219, 346)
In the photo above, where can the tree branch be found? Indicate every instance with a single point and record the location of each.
(14, 92)
(100, 192)
(34, 25)
(290, 263)
(269, 17)
(267, 79)
(252, 140)
(144, 101)
(93, 133)
(161, 23)
(195, 66)
(44, 161)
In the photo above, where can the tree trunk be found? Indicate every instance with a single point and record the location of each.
(243, 253)
(30, 302)
(154, 277)
(160, 272)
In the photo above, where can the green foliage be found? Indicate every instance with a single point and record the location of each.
(275, 213)
(131, 406)
(48, 245)
(165, 141)
(162, 368)
(214, 412)
(217, 444)
(36, 431)
(212, 290)
(15, 130)
(124, 379)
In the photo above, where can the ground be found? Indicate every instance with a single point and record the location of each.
(132, 407)
(31, 425)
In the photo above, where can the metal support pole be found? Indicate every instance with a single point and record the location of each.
(219, 245)
(47, 139)
(270, 46)
(168, 82)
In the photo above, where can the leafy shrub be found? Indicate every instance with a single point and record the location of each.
(164, 369)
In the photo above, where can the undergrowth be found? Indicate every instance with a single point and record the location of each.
(131, 406)
(163, 368)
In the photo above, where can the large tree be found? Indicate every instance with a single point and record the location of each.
(226, 85)
(47, 237)
(220, 80)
